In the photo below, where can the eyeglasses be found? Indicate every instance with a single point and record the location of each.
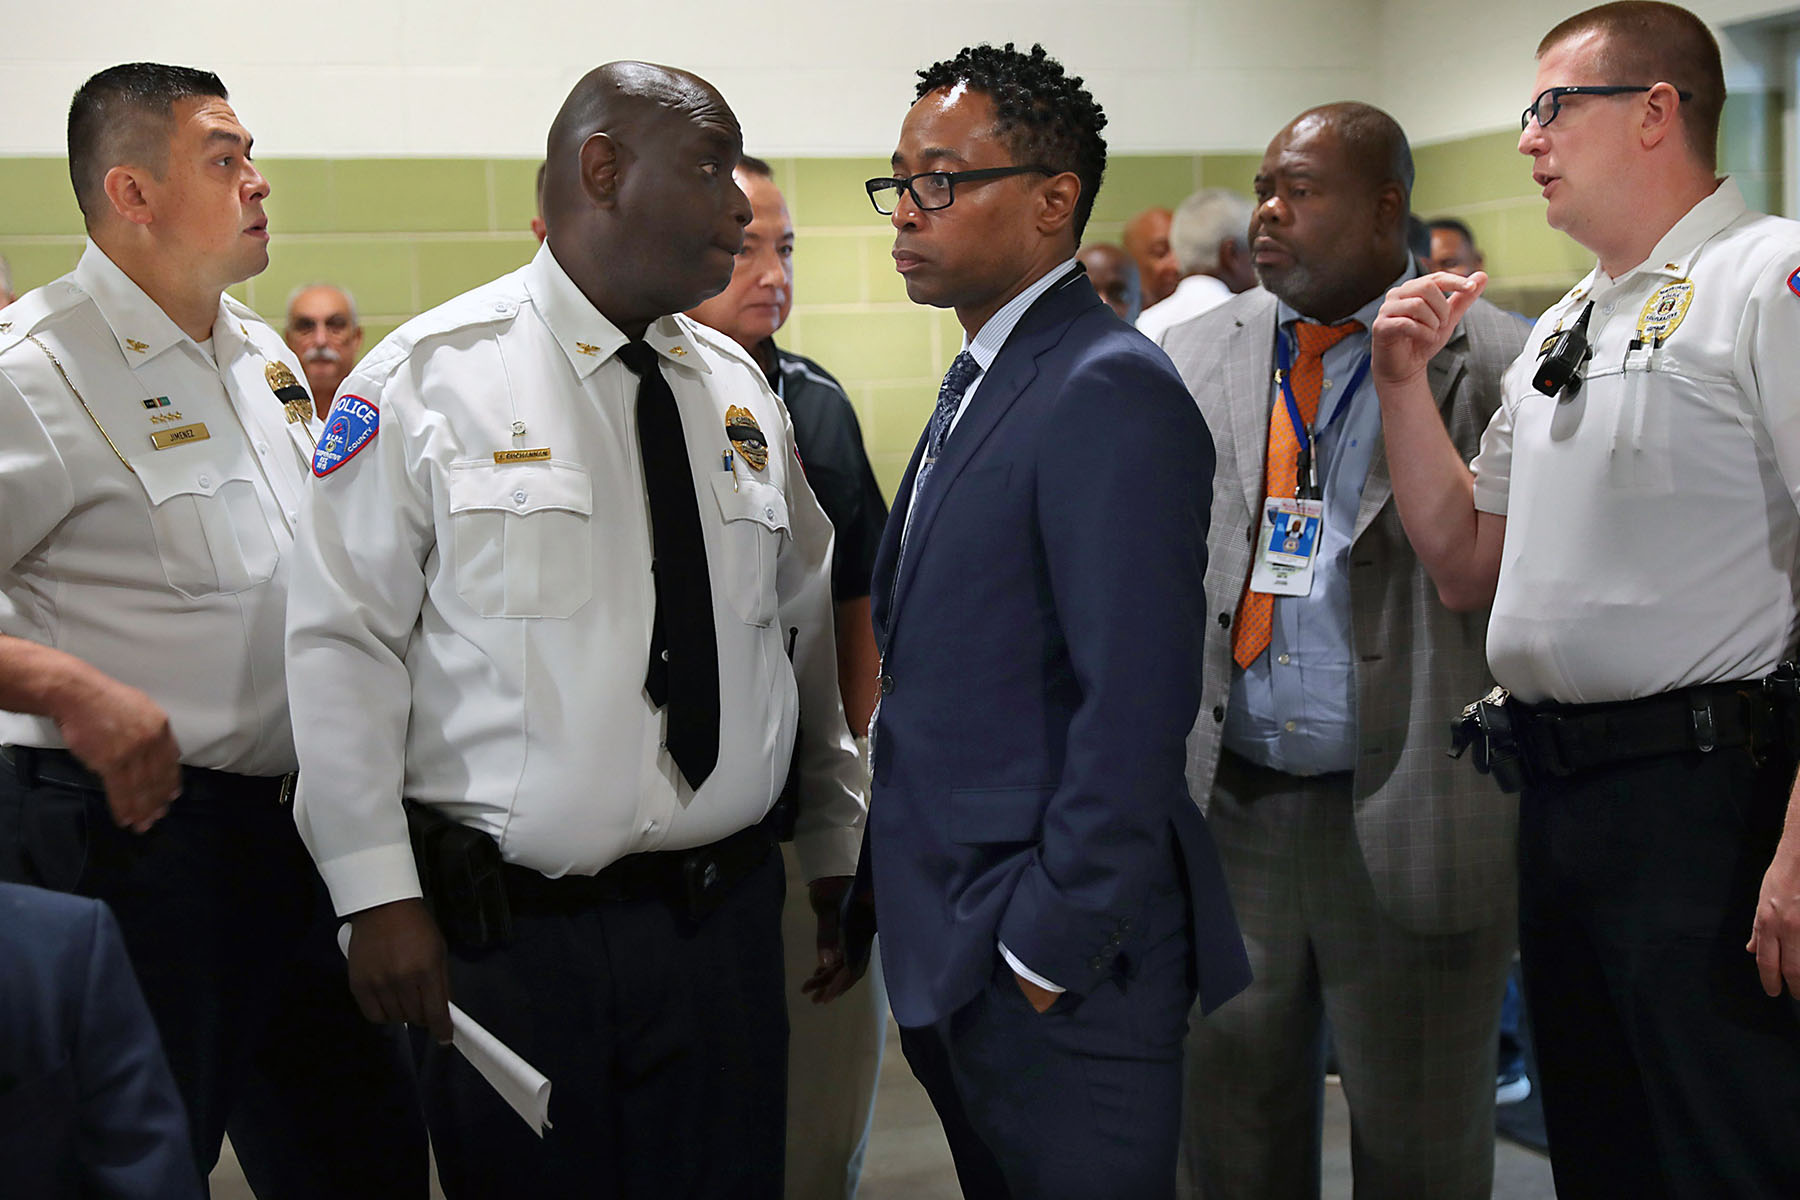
(1549, 101)
(932, 190)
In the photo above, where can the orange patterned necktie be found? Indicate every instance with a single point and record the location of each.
(1281, 472)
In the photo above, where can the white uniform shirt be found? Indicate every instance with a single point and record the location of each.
(1652, 537)
(171, 575)
(1192, 296)
(473, 634)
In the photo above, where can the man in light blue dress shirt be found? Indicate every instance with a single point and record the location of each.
(1372, 875)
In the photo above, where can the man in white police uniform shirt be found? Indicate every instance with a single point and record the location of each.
(1638, 536)
(153, 447)
(563, 589)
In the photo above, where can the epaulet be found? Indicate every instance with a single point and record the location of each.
(29, 312)
(712, 339)
(708, 338)
(495, 303)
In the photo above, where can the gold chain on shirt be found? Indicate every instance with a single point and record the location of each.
(32, 338)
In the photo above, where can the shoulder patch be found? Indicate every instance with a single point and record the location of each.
(1794, 282)
(350, 425)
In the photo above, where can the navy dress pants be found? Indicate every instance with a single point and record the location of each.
(1080, 1101)
(1666, 1070)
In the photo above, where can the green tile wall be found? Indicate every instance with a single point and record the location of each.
(1484, 181)
(404, 234)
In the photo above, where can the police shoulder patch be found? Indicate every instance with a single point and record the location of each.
(350, 425)
(1794, 282)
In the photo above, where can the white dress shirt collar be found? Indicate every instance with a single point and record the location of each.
(587, 338)
(985, 346)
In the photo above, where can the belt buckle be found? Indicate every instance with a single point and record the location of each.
(288, 783)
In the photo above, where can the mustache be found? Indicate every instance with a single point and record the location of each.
(324, 354)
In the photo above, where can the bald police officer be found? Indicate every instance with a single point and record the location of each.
(563, 588)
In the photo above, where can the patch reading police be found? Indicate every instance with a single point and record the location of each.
(1665, 310)
(747, 436)
(349, 426)
(1794, 282)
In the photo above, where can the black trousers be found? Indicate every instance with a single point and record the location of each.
(232, 936)
(1666, 1071)
(665, 1043)
(1081, 1101)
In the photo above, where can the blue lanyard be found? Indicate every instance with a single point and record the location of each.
(1304, 437)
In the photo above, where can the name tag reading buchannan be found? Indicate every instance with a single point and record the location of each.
(162, 439)
(517, 456)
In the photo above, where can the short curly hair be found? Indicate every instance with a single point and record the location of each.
(1045, 116)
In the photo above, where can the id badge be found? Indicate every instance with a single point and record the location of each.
(1287, 546)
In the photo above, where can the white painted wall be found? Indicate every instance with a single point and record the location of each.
(806, 77)
(1450, 68)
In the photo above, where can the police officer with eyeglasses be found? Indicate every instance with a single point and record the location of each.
(1632, 518)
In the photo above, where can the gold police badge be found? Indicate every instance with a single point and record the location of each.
(294, 400)
(1664, 311)
(747, 437)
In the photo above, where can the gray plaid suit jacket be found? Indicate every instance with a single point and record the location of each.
(1438, 838)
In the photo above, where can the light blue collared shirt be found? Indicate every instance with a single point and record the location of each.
(1294, 708)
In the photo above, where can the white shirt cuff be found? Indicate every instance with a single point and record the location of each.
(1026, 973)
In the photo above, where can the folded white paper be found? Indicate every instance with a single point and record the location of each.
(521, 1085)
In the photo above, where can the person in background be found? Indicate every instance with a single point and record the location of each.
(537, 222)
(834, 1051)
(6, 283)
(1453, 247)
(1209, 241)
(1146, 239)
(1114, 276)
(324, 334)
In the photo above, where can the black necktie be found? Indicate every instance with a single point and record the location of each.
(684, 651)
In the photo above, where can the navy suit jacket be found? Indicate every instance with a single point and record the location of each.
(87, 1105)
(1041, 640)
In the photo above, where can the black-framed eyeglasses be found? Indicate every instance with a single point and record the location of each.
(932, 190)
(1549, 101)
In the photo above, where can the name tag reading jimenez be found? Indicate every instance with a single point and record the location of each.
(163, 439)
(519, 456)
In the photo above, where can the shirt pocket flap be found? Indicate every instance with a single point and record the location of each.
(521, 488)
(747, 500)
(183, 476)
(1007, 814)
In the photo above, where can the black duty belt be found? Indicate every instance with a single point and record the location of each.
(37, 766)
(694, 880)
(1554, 741)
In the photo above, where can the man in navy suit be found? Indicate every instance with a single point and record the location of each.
(87, 1105)
(1047, 892)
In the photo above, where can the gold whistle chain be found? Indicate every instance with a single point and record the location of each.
(70, 384)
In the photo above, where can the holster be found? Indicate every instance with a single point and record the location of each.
(460, 875)
(1487, 728)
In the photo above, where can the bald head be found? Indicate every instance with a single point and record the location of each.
(627, 101)
(1373, 142)
(1146, 238)
(1333, 193)
(642, 211)
(1113, 275)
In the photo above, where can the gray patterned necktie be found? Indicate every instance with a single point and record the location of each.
(956, 383)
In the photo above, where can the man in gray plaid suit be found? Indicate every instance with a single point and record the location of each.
(1373, 876)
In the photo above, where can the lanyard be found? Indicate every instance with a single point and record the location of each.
(1307, 474)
